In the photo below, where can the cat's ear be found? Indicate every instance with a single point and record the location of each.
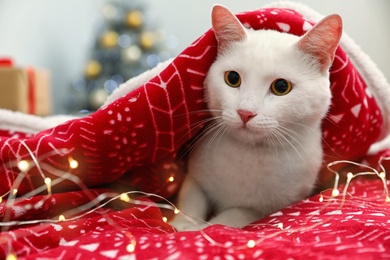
(322, 40)
(226, 26)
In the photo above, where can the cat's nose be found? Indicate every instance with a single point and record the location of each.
(246, 115)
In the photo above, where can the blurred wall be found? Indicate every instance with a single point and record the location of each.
(57, 34)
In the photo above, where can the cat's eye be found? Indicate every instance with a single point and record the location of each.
(232, 78)
(281, 87)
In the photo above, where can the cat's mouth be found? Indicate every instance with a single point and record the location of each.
(244, 127)
(252, 133)
(258, 126)
(250, 127)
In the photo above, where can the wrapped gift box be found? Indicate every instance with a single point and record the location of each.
(26, 90)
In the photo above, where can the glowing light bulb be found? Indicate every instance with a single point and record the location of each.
(176, 211)
(14, 191)
(47, 181)
(280, 226)
(251, 244)
(124, 197)
(23, 165)
(48, 184)
(171, 179)
(61, 218)
(382, 175)
(350, 176)
(335, 192)
(387, 199)
(321, 199)
(165, 219)
(130, 247)
(1, 199)
(11, 257)
(73, 164)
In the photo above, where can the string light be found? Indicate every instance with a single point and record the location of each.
(47, 181)
(48, 184)
(251, 243)
(124, 197)
(280, 226)
(351, 176)
(73, 164)
(335, 192)
(130, 248)
(23, 165)
(11, 257)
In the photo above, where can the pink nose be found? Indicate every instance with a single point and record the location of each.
(246, 115)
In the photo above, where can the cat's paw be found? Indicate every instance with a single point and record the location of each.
(185, 225)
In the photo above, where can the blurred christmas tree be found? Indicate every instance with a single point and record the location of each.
(127, 44)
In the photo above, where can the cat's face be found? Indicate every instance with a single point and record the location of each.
(263, 83)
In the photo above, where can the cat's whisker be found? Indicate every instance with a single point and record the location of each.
(200, 123)
(271, 138)
(203, 111)
(294, 136)
(298, 134)
(327, 118)
(218, 130)
(315, 131)
(281, 140)
(209, 128)
(324, 141)
(222, 131)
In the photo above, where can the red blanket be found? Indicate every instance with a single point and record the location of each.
(51, 179)
(356, 227)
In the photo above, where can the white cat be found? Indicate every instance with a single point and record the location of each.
(268, 93)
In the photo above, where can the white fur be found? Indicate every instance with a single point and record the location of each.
(241, 172)
(376, 81)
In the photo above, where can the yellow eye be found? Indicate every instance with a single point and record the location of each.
(281, 87)
(232, 78)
